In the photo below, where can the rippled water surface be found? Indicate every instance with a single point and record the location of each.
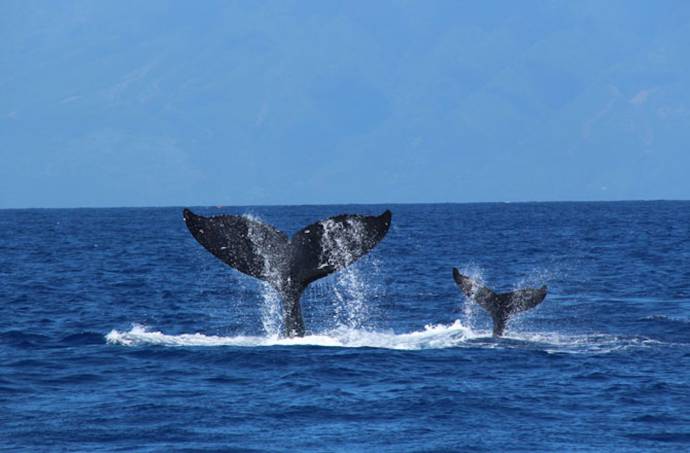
(119, 332)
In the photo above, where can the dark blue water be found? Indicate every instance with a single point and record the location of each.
(119, 332)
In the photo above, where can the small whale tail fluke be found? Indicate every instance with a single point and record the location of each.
(501, 306)
(288, 264)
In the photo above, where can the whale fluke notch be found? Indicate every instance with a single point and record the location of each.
(288, 264)
(501, 306)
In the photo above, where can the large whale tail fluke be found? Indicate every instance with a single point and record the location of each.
(288, 264)
(501, 306)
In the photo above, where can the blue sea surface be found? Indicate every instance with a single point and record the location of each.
(119, 332)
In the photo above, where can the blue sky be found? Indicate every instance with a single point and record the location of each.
(162, 103)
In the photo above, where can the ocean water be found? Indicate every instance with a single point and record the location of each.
(118, 332)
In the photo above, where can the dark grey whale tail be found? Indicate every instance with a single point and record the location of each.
(500, 306)
(288, 264)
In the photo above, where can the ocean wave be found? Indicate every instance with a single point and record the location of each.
(438, 336)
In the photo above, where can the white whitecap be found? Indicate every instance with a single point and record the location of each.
(438, 336)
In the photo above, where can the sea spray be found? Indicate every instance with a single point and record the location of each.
(271, 305)
(438, 336)
(350, 289)
(470, 309)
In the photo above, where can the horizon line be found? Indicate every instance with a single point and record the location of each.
(273, 205)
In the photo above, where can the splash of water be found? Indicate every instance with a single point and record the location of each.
(351, 309)
(271, 308)
(471, 310)
(440, 336)
(341, 242)
(535, 278)
(432, 337)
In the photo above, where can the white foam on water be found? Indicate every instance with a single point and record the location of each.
(432, 337)
(440, 336)
(554, 342)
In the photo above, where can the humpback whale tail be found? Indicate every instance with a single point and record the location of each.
(501, 306)
(288, 264)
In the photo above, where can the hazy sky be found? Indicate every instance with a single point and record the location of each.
(185, 103)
